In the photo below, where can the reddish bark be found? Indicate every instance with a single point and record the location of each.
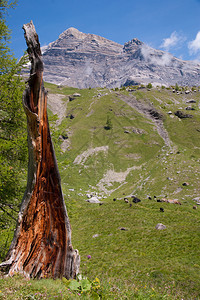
(41, 246)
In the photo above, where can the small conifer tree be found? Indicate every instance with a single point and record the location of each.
(108, 125)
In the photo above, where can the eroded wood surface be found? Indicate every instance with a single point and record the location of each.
(41, 246)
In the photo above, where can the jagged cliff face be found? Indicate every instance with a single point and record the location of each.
(87, 60)
(81, 60)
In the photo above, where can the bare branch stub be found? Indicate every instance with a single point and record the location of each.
(41, 246)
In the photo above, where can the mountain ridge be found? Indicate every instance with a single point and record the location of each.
(84, 60)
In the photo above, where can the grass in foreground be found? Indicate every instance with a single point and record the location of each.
(19, 288)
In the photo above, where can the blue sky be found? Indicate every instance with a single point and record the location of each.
(172, 25)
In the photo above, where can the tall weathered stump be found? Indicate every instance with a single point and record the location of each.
(41, 246)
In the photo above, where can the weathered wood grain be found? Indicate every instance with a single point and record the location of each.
(41, 246)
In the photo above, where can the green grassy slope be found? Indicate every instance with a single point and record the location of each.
(141, 254)
(124, 148)
(132, 158)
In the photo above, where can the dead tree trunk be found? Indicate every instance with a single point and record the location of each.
(41, 246)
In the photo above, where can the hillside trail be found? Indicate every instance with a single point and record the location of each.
(81, 158)
(151, 113)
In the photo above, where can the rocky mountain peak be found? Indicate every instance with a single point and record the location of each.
(72, 32)
(135, 41)
(132, 45)
(84, 60)
(74, 40)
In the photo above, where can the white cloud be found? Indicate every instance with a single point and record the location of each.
(171, 41)
(154, 57)
(194, 46)
(174, 40)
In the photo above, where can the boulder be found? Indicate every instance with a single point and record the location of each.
(71, 98)
(182, 115)
(126, 131)
(70, 116)
(135, 199)
(190, 108)
(158, 200)
(160, 226)
(76, 95)
(191, 101)
(95, 235)
(155, 114)
(138, 131)
(126, 200)
(197, 199)
(93, 200)
(173, 201)
(123, 228)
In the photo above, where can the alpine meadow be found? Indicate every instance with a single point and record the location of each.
(129, 162)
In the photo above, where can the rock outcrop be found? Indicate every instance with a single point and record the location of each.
(86, 60)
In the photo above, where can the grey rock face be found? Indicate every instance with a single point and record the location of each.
(86, 60)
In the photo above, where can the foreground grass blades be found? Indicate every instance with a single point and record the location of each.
(19, 288)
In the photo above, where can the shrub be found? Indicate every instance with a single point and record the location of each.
(149, 86)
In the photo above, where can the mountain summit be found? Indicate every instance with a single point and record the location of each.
(87, 60)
